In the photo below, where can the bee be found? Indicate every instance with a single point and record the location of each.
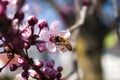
(60, 40)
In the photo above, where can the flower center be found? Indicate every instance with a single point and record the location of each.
(51, 38)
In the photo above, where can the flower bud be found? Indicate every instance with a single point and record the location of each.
(86, 2)
(60, 68)
(2, 8)
(26, 45)
(42, 24)
(13, 67)
(39, 63)
(50, 63)
(25, 75)
(5, 2)
(41, 47)
(32, 20)
(19, 15)
(47, 70)
(21, 60)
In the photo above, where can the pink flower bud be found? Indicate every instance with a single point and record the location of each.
(13, 67)
(39, 63)
(26, 45)
(5, 2)
(41, 47)
(19, 15)
(2, 9)
(21, 60)
(42, 24)
(85, 2)
(32, 20)
(60, 68)
(50, 63)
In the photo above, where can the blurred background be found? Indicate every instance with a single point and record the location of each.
(96, 45)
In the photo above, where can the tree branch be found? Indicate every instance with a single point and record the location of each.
(81, 19)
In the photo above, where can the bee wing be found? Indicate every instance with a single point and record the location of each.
(67, 35)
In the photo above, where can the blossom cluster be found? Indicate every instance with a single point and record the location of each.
(16, 38)
(43, 71)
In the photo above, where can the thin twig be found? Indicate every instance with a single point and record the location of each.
(74, 29)
(26, 52)
(7, 63)
(77, 9)
(82, 15)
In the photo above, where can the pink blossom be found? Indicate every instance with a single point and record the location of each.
(48, 34)
(39, 63)
(41, 47)
(26, 33)
(32, 20)
(21, 60)
(42, 24)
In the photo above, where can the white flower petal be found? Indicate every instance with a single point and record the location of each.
(67, 35)
(32, 73)
(51, 46)
(54, 27)
(44, 35)
(61, 33)
(26, 33)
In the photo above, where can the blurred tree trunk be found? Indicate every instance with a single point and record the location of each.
(89, 46)
(90, 65)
